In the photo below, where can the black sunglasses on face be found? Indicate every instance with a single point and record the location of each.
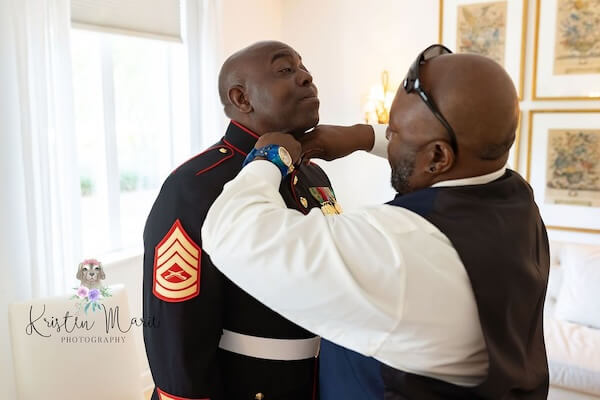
(413, 83)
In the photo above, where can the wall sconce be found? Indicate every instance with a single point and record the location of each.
(379, 101)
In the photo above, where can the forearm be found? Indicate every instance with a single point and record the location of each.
(360, 136)
(369, 138)
(330, 142)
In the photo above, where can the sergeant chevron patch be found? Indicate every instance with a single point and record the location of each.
(176, 266)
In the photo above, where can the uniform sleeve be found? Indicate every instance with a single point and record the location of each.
(186, 308)
(328, 274)
(380, 147)
(182, 290)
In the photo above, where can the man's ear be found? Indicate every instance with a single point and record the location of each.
(441, 157)
(239, 99)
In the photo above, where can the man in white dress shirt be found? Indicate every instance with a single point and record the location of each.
(437, 294)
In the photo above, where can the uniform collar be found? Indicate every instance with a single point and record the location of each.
(240, 138)
(475, 180)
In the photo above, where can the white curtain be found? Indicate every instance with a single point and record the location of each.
(39, 199)
(205, 52)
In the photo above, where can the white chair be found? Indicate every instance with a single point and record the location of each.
(83, 364)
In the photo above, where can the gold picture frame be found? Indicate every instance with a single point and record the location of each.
(541, 124)
(573, 81)
(517, 72)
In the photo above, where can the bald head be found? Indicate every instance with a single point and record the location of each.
(234, 70)
(266, 87)
(479, 101)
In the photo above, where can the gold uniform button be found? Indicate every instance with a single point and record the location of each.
(304, 202)
(259, 396)
(223, 150)
(295, 180)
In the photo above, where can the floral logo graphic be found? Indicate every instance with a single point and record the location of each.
(91, 292)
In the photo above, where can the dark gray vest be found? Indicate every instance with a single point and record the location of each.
(501, 240)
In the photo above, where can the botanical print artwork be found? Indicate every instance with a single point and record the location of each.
(573, 167)
(577, 48)
(481, 29)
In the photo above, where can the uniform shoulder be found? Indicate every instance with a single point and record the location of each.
(211, 158)
(190, 189)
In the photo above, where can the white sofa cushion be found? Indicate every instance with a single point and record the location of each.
(554, 286)
(579, 297)
(558, 393)
(573, 355)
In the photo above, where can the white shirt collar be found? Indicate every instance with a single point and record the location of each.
(474, 180)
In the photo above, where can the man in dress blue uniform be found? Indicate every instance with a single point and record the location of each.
(213, 340)
(437, 294)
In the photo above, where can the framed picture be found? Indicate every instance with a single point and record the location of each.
(563, 167)
(567, 50)
(493, 28)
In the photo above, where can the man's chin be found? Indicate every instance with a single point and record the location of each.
(400, 185)
(304, 127)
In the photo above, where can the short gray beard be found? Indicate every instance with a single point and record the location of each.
(401, 173)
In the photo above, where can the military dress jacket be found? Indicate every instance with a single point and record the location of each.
(192, 303)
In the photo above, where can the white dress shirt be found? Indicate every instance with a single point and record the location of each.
(382, 281)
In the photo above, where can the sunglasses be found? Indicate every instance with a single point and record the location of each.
(413, 83)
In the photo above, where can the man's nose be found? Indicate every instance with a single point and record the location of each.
(304, 78)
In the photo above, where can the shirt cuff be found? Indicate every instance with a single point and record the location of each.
(265, 170)
(380, 146)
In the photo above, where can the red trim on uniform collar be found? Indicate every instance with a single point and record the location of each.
(242, 127)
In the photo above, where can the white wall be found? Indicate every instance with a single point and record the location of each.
(246, 22)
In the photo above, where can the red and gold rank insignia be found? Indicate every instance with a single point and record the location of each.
(176, 266)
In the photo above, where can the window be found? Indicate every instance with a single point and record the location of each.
(131, 122)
